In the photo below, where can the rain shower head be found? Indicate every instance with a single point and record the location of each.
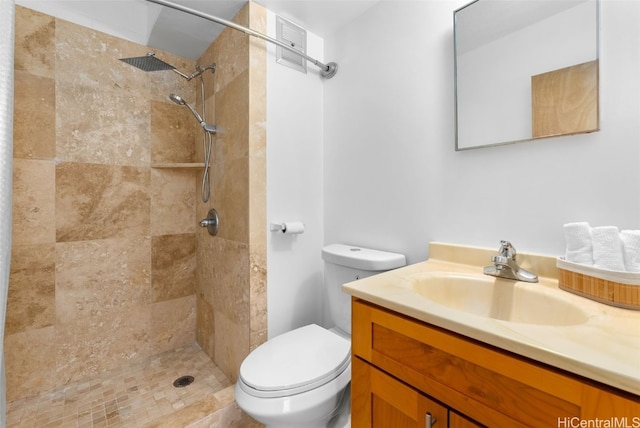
(180, 101)
(149, 62)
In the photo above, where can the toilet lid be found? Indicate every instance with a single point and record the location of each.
(300, 359)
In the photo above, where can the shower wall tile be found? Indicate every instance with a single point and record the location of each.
(232, 118)
(258, 295)
(98, 343)
(231, 345)
(234, 287)
(173, 265)
(230, 52)
(231, 199)
(81, 299)
(101, 201)
(98, 277)
(205, 325)
(173, 202)
(34, 117)
(231, 279)
(173, 132)
(101, 126)
(31, 372)
(34, 42)
(33, 202)
(206, 264)
(258, 202)
(31, 298)
(173, 323)
(86, 57)
(164, 83)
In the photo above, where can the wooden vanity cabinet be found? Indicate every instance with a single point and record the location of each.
(404, 369)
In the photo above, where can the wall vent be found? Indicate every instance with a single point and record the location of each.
(294, 36)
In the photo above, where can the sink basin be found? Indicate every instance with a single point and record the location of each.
(497, 298)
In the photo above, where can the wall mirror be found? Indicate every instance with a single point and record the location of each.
(525, 69)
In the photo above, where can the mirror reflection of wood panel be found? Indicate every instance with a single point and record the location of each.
(565, 101)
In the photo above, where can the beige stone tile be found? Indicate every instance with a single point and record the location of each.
(101, 201)
(258, 294)
(101, 126)
(29, 359)
(34, 42)
(34, 117)
(33, 202)
(173, 132)
(164, 83)
(231, 347)
(230, 416)
(231, 281)
(95, 278)
(205, 326)
(205, 265)
(258, 201)
(135, 395)
(230, 52)
(258, 87)
(173, 323)
(31, 297)
(232, 112)
(173, 266)
(90, 58)
(173, 201)
(95, 344)
(231, 199)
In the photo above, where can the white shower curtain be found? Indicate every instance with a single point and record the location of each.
(7, 11)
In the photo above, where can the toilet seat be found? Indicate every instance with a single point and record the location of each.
(295, 362)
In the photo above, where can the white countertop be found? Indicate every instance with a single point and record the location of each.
(606, 348)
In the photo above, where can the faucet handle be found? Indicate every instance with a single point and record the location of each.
(499, 260)
(507, 250)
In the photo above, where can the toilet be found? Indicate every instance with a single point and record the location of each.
(301, 378)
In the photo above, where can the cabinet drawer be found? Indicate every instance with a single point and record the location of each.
(488, 385)
(380, 401)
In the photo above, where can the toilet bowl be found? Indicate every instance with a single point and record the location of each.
(301, 379)
(296, 379)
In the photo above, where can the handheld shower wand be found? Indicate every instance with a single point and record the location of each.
(178, 100)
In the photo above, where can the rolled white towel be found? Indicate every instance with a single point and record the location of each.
(579, 248)
(607, 248)
(631, 248)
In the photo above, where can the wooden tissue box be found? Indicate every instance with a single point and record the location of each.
(621, 289)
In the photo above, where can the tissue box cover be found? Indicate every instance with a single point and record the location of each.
(613, 288)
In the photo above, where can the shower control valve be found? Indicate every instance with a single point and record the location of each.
(212, 222)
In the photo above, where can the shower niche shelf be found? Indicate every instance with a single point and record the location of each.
(179, 165)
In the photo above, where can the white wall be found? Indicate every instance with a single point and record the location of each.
(393, 180)
(294, 190)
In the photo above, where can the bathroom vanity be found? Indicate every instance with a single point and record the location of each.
(418, 363)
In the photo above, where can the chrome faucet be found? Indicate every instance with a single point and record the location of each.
(505, 265)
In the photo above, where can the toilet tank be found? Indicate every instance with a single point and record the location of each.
(346, 263)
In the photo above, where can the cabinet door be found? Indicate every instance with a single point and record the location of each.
(458, 421)
(381, 401)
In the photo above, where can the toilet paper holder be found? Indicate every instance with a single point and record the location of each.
(295, 227)
(276, 227)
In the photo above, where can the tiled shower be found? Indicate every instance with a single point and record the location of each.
(108, 264)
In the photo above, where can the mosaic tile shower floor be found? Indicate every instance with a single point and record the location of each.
(139, 395)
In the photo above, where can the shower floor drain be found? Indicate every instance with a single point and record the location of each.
(183, 381)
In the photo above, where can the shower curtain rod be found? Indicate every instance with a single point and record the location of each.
(326, 70)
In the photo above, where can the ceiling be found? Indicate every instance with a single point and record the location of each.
(186, 35)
